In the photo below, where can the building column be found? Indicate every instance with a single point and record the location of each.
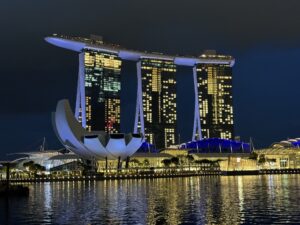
(80, 95)
(77, 105)
(139, 115)
(197, 124)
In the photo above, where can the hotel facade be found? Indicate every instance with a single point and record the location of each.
(98, 100)
(215, 100)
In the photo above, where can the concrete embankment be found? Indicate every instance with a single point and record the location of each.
(121, 176)
(115, 176)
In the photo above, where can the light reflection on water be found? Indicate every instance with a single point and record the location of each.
(194, 200)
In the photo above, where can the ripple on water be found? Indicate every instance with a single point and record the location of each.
(196, 200)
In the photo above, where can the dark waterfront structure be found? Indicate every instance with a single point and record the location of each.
(98, 102)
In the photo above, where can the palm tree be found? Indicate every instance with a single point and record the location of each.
(33, 167)
(216, 164)
(135, 161)
(175, 161)
(146, 162)
(166, 162)
(253, 156)
(261, 159)
(190, 159)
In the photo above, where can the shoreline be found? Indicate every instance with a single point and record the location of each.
(120, 176)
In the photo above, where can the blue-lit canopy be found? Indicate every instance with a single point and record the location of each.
(147, 148)
(216, 145)
(296, 144)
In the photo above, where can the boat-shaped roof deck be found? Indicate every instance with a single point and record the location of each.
(78, 44)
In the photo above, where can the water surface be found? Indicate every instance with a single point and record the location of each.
(196, 200)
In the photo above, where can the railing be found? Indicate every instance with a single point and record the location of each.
(279, 171)
(123, 174)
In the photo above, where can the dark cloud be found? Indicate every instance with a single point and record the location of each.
(262, 35)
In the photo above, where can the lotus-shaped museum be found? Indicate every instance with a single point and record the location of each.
(95, 144)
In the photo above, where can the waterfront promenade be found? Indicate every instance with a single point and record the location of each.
(146, 175)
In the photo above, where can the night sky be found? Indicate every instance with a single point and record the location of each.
(263, 36)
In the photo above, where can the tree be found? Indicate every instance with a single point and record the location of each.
(253, 156)
(175, 161)
(33, 167)
(28, 165)
(216, 163)
(207, 161)
(166, 162)
(135, 161)
(146, 162)
(39, 168)
(190, 158)
(261, 159)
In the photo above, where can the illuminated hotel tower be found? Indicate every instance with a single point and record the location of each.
(214, 83)
(102, 91)
(159, 101)
(99, 84)
(98, 91)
